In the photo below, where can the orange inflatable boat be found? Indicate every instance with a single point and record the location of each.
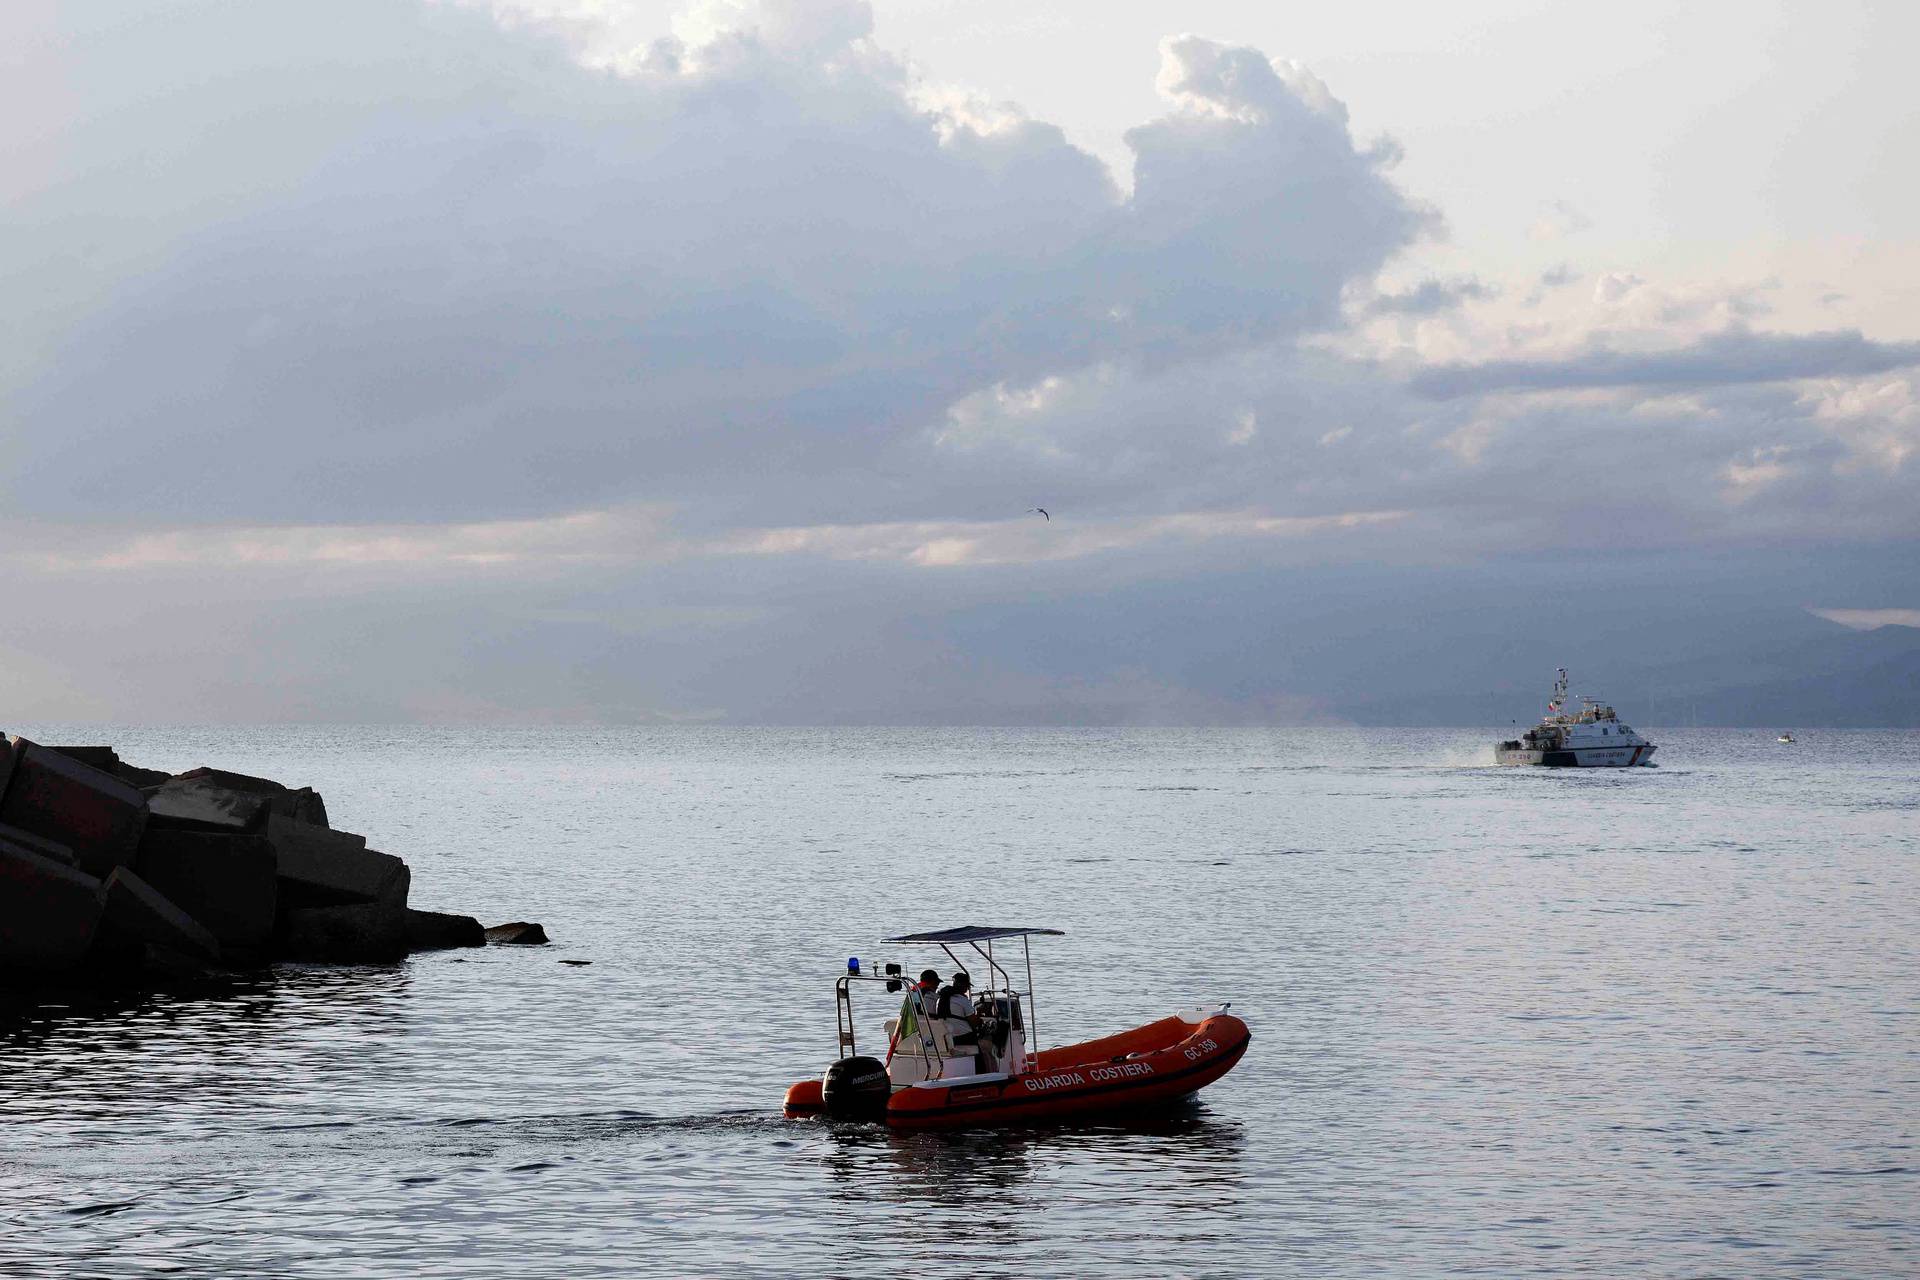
(959, 1056)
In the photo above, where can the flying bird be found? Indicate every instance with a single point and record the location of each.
(1042, 511)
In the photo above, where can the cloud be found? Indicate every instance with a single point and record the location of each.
(1558, 220)
(384, 358)
(1028, 542)
(1723, 359)
(624, 539)
(1430, 297)
(605, 537)
(1878, 418)
(1757, 471)
(442, 277)
(1614, 286)
(396, 263)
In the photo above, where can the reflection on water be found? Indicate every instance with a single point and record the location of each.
(1180, 1149)
(236, 1005)
(1506, 1021)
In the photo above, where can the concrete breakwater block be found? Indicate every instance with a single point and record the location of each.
(111, 872)
(362, 933)
(319, 867)
(55, 797)
(201, 806)
(229, 883)
(48, 911)
(135, 910)
(134, 776)
(437, 931)
(105, 759)
(522, 933)
(37, 844)
(302, 804)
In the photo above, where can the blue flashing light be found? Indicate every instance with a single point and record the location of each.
(853, 964)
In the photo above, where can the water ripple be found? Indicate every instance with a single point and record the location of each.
(1507, 1022)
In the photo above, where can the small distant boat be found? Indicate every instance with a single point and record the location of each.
(1785, 737)
(1590, 738)
(931, 1079)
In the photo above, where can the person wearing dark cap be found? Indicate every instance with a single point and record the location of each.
(956, 1007)
(916, 1012)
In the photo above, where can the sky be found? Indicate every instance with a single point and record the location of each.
(572, 360)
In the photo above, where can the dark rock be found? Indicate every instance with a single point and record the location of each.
(57, 798)
(233, 781)
(302, 804)
(105, 759)
(198, 805)
(436, 931)
(48, 912)
(168, 964)
(519, 933)
(136, 910)
(309, 807)
(229, 883)
(37, 844)
(364, 933)
(319, 867)
(134, 776)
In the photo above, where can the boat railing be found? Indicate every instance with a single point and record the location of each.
(999, 984)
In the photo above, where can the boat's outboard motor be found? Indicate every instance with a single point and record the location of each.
(856, 1089)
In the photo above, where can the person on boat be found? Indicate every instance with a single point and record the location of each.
(914, 1009)
(956, 1006)
(920, 997)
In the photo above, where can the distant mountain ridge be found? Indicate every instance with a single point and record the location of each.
(1866, 680)
(1822, 676)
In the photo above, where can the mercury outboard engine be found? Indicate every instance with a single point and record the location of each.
(856, 1089)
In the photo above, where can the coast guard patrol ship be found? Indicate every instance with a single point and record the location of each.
(1589, 738)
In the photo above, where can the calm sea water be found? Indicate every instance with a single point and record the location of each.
(1659, 1022)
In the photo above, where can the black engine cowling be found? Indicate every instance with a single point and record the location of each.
(856, 1089)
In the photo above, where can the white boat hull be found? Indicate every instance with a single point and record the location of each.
(1621, 757)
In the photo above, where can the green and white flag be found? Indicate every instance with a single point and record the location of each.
(909, 1025)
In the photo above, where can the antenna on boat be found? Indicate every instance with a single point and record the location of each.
(1558, 703)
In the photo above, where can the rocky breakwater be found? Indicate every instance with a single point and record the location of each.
(113, 872)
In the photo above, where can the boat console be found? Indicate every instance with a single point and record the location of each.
(929, 1053)
(1003, 1043)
